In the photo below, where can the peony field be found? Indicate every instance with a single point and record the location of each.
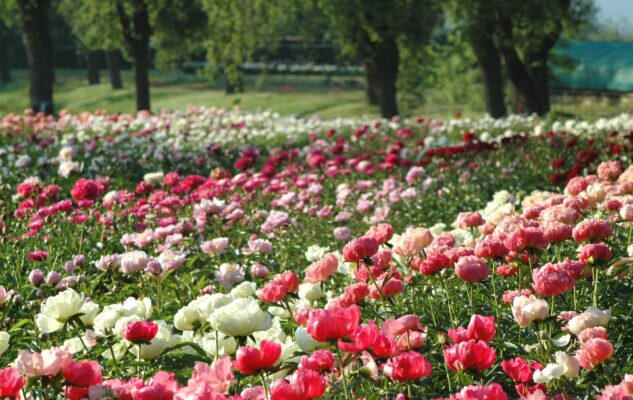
(215, 254)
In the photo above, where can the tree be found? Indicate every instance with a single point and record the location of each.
(171, 26)
(93, 24)
(133, 16)
(517, 37)
(113, 59)
(476, 25)
(375, 32)
(9, 43)
(527, 32)
(34, 15)
(239, 28)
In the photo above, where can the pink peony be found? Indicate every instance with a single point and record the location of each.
(471, 269)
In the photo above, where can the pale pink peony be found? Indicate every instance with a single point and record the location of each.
(49, 362)
(527, 309)
(412, 241)
(214, 246)
(322, 269)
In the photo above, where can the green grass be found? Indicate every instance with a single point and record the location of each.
(176, 90)
(296, 95)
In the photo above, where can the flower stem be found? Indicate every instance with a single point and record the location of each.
(595, 273)
(340, 362)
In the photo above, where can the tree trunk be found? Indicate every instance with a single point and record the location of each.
(517, 71)
(39, 51)
(383, 64)
(114, 68)
(489, 62)
(92, 60)
(518, 102)
(141, 76)
(370, 87)
(540, 74)
(229, 88)
(236, 85)
(137, 32)
(5, 74)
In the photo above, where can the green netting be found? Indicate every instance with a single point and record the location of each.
(597, 65)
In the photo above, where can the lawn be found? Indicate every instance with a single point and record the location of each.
(287, 94)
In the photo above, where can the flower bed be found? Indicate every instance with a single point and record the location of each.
(212, 255)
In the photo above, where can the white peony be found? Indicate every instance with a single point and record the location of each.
(244, 289)
(225, 344)
(241, 317)
(58, 309)
(154, 178)
(4, 341)
(310, 291)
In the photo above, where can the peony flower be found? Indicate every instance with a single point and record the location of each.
(47, 363)
(83, 374)
(359, 249)
(519, 370)
(408, 366)
(38, 255)
(467, 220)
(259, 271)
(493, 391)
(229, 274)
(154, 178)
(5, 295)
(471, 354)
(194, 314)
(57, 310)
(591, 229)
(594, 253)
(241, 317)
(4, 342)
(85, 189)
(481, 328)
(310, 292)
(262, 246)
(552, 280)
(569, 363)
(590, 318)
(333, 323)
(133, 261)
(411, 242)
(610, 170)
(304, 384)
(215, 246)
(471, 269)
(382, 233)
(527, 309)
(318, 361)
(163, 339)
(11, 382)
(250, 360)
(594, 352)
(321, 270)
(342, 233)
(140, 332)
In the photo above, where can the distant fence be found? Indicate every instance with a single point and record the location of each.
(284, 68)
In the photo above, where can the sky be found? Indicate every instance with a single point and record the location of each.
(619, 11)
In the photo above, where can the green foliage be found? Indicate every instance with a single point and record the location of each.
(94, 23)
(239, 28)
(444, 72)
(361, 25)
(180, 29)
